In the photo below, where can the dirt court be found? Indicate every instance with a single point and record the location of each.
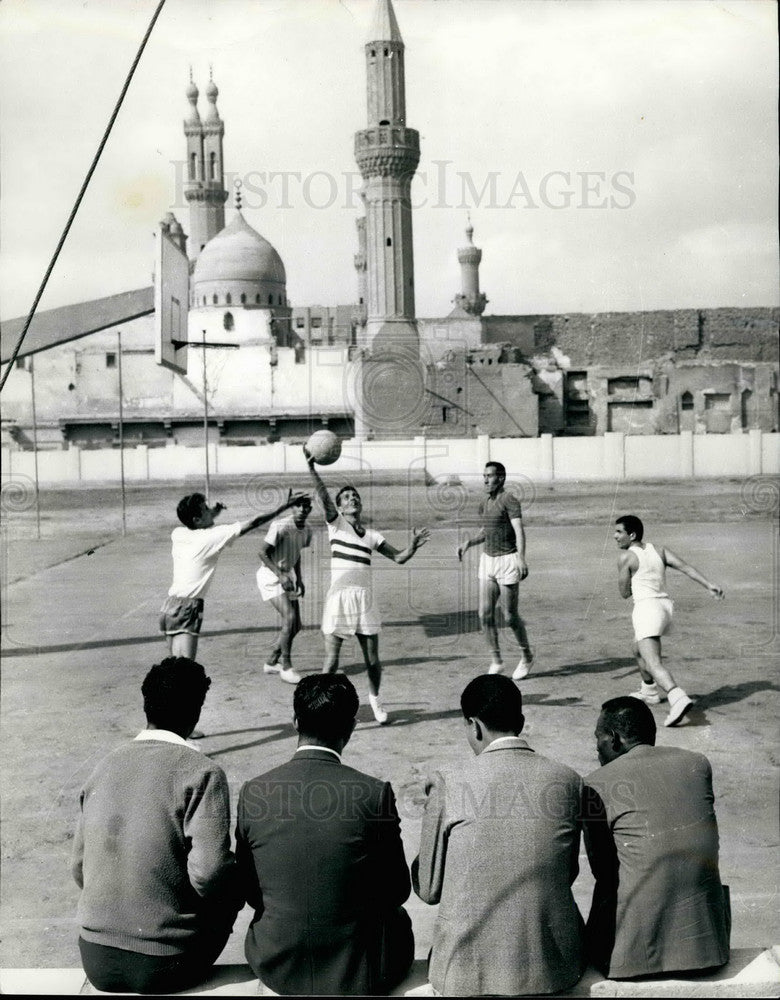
(79, 633)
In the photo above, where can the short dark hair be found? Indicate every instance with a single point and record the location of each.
(499, 467)
(174, 691)
(325, 706)
(189, 508)
(632, 524)
(630, 718)
(494, 700)
(347, 486)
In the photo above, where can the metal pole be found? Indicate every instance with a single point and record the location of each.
(205, 418)
(35, 451)
(121, 431)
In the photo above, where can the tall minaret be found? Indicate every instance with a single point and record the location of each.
(470, 300)
(205, 188)
(387, 153)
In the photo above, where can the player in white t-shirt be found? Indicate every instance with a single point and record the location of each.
(195, 548)
(279, 581)
(350, 607)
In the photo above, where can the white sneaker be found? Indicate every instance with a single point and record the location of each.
(523, 669)
(378, 709)
(648, 697)
(272, 668)
(678, 709)
(495, 668)
(289, 675)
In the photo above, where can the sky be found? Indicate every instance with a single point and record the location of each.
(613, 154)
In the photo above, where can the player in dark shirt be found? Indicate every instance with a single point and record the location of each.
(501, 567)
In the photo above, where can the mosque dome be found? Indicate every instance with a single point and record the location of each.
(239, 266)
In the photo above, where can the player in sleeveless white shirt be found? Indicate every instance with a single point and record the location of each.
(350, 606)
(642, 575)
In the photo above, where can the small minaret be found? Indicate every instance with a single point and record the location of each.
(205, 188)
(470, 300)
(387, 153)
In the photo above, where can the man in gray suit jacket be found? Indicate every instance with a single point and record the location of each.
(498, 852)
(319, 849)
(652, 840)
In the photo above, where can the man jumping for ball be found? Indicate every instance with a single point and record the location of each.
(501, 567)
(350, 607)
(642, 575)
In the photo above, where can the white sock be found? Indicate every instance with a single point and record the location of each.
(675, 694)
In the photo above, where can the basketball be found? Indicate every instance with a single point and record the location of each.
(324, 447)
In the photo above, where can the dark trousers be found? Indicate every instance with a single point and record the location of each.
(115, 970)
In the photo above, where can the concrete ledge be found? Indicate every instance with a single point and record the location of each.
(751, 972)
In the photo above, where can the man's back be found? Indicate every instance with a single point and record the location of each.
(499, 850)
(320, 852)
(152, 848)
(652, 838)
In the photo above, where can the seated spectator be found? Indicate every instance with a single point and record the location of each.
(652, 840)
(319, 849)
(498, 853)
(152, 849)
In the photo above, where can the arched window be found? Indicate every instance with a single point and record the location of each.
(243, 298)
(257, 300)
(270, 300)
(193, 166)
(280, 300)
(213, 166)
(228, 299)
(686, 401)
(227, 322)
(214, 299)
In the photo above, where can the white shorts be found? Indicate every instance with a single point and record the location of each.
(349, 610)
(652, 616)
(270, 585)
(505, 570)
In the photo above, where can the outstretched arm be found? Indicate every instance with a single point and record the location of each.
(465, 546)
(400, 556)
(321, 489)
(255, 522)
(677, 563)
(627, 566)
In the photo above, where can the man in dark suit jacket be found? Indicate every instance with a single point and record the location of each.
(498, 852)
(319, 849)
(652, 840)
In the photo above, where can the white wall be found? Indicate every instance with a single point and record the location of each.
(545, 459)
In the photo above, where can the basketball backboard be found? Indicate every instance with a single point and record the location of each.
(171, 303)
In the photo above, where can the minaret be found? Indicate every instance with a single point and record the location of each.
(205, 188)
(387, 153)
(470, 300)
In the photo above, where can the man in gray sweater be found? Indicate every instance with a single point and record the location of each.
(152, 849)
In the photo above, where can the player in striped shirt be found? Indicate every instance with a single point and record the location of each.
(350, 606)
